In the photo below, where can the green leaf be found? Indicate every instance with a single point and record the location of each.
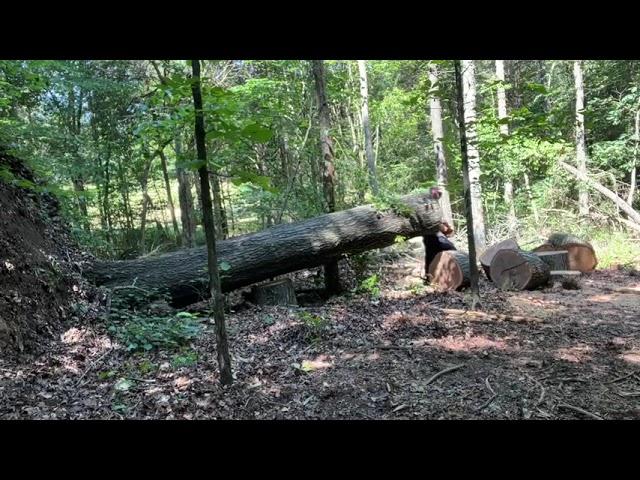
(257, 133)
(504, 121)
(123, 384)
(224, 266)
(191, 165)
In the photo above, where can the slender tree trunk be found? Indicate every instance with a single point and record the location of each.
(534, 209)
(224, 359)
(581, 137)
(466, 174)
(331, 273)
(185, 199)
(172, 210)
(261, 161)
(504, 131)
(145, 203)
(437, 130)
(634, 171)
(377, 145)
(364, 92)
(469, 92)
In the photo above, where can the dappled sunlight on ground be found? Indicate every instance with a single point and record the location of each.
(467, 344)
(576, 354)
(631, 357)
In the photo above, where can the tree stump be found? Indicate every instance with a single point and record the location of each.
(278, 292)
(518, 270)
(567, 279)
(582, 255)
(486, 258)
(556, 260)
(450, 270)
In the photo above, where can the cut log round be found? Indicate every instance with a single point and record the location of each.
(582, 255)
(556, 260)
(518, 270)
(278, 292)
(450, 270)
(567, 279)
(275, 251)
(489, 253)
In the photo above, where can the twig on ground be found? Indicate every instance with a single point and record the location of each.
(93, 364)
(580, 410)
(470, 314)
(621, 378)
(446, 370)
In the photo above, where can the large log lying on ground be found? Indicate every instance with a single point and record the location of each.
(278, 250)
(489, 253)
(450, 270)
(582, 255)
(557, 260)
(517, 270)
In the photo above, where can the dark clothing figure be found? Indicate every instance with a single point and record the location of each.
(434, 244)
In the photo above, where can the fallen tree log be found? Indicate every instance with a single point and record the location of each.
(489, 253)
(622, 205)
(285, 248)
(556, 260)
(450, 270)
(582, 255)
(517, 270)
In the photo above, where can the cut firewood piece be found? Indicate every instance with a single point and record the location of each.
(278, 292)
(568, 279)
(486, 258)
(450, 270)
(518, 270)
(556, 260)
(582, 255)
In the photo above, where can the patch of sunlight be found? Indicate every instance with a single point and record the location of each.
(577, 354)
(631, 358)
(320, 362)
(467, 344)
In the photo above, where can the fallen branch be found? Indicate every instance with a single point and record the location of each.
(493, 395)
(621, 378)
(446, 370)
(622, 290)
(624, 206)
(489, 316)
(580, 410)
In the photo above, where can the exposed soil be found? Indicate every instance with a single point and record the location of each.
(38, 285)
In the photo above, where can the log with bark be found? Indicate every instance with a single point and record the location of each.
(518, 270)
(556, 260)
(278, 250)
(450, 270)
(487, 256)
(582, 255)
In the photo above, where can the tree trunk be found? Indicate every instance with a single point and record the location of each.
(450, 270)
(280, 292)
(172, 210)
(489, 253)
(567, 279)
(517, 270)
(215, 290)
(437, 130)
(469, 92)
(634, 171)
(467, 180)
(534, 209)
(581, 143)
(266, 254)
(368, 143)
(633, 215)
(331, 272)
(185, 198)
(145, 203)
(504, 131)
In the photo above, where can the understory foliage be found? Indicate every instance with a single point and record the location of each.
(113, 140)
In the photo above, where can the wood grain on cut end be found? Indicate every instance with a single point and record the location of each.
(450, 270)
(517, 270)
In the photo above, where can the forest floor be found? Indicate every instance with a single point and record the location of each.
(409, 353)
